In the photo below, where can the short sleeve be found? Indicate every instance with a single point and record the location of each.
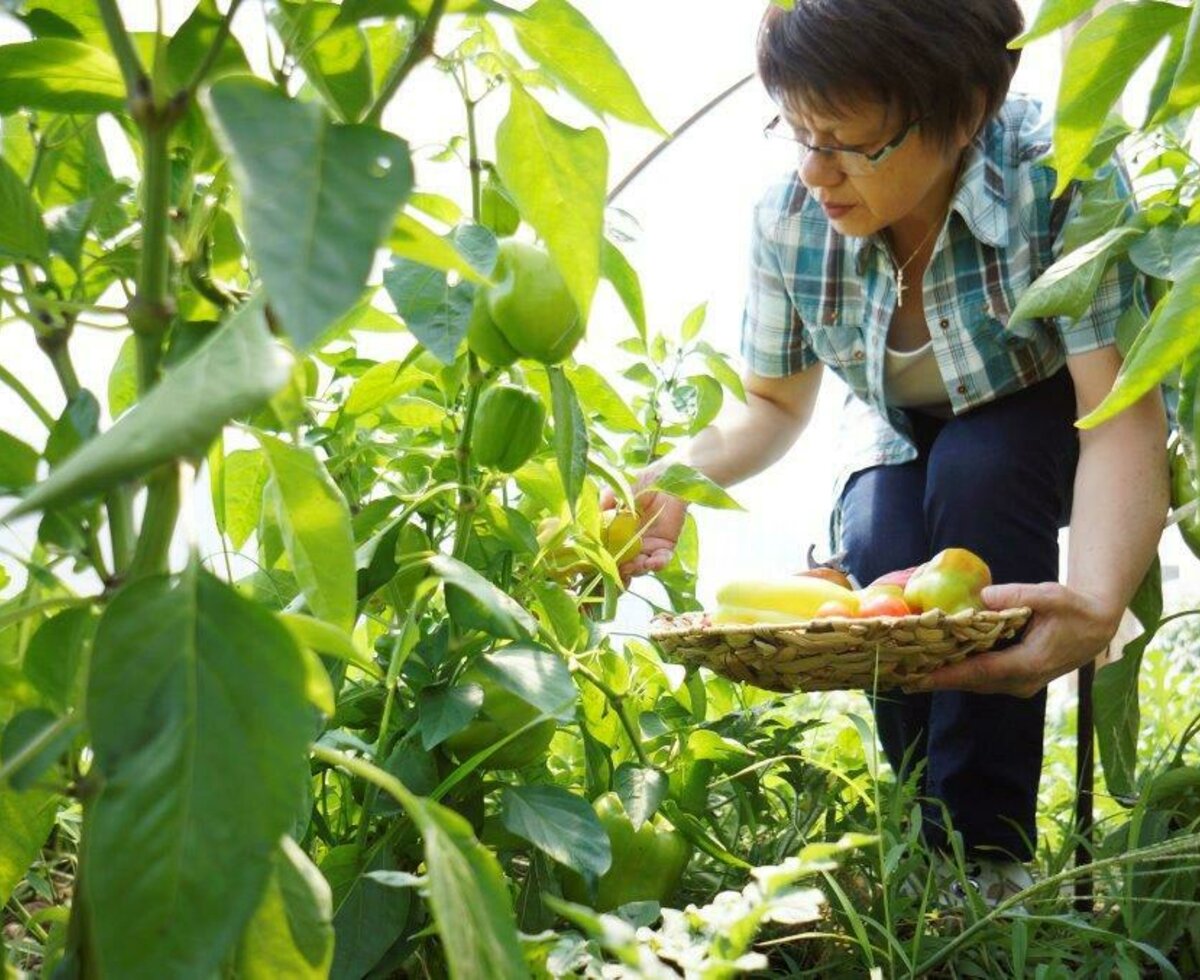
(1121, 287)
(773, 343)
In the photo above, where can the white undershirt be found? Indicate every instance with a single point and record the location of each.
(911, 379)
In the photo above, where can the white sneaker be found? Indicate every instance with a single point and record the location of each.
(997, 881)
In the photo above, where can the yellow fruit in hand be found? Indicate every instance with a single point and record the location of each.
(621, 534)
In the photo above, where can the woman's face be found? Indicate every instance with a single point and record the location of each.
(911, 180)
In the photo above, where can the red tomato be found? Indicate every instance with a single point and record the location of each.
(834, 607)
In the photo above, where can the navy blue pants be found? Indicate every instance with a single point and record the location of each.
(996, 480)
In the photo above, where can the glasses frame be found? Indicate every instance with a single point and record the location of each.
(870, 161)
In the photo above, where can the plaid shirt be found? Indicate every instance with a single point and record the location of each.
(818, 296)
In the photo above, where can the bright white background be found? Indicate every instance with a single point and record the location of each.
(692, 208)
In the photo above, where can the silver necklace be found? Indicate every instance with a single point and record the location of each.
(901, 285)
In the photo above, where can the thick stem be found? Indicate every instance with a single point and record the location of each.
(158, 525)
(151, 310)
(467, 504)
(420, 49)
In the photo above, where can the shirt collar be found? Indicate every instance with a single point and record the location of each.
(979, 197)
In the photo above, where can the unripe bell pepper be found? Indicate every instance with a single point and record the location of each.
(508, 427)
(798, 597)
(647, 863)
(951, 581)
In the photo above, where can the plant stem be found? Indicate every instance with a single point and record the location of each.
(618, 703)
(158, 526)
(467, 503)
(136, 82)
(151, 310)
(23, 914)
(38, 409)
(420, 49)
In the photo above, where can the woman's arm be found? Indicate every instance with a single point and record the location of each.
(1120, 503)
(744, 440)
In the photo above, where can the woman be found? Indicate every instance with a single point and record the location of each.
(920, 211)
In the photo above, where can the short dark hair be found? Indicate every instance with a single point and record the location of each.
(930, 59)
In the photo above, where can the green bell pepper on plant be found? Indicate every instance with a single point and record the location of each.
(508, 427)
(501, 714)
(647, 863)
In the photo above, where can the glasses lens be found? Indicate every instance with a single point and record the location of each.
(845, 161)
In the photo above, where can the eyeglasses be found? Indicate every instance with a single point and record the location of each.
(853, 163)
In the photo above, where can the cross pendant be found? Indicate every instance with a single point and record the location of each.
(900, 287)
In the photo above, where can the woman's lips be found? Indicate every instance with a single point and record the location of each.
(835, 211)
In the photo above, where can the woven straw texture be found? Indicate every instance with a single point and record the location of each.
(836, 653)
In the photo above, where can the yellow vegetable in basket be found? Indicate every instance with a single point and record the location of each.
(796, 597)
(744, 616)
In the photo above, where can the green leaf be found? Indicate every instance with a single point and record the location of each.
(558, 823)
(27, 819)
(413, 241)
(56, 659)
(335, 57)
(190, 45)
(322, 637)
(180, 416)
(317, 532)
(1051, 15)
(59, 75)
(1099, 64)
(719, 367)
(558, 178)
(689, 484)
(1169, 336)
(318, 199)
(356, 10)
(1069, 285)
(445, 711)
(291, 933)
(18, 463)
(77, 425)
(22, 232)
(369, 916)
(570, 435)
(535, 675)
(468, 894)
(709, 398)
(435, 312)
(33, 742)
(564, 43)
(500, 611)
(244, 476)
(641, 790)
(200, 727)
(597, 395)
(624, 278)
(1185, 88)
(693, 323)
(1118, 716)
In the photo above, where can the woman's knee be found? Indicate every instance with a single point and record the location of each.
(883, 526)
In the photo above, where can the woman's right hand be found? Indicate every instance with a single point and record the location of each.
(660, 519)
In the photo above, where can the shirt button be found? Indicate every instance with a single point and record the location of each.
(859, 355)
(961, 389)
(944, 324)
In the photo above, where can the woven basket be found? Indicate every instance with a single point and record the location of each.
(835, 653)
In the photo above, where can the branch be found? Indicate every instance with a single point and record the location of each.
(137, 82)
(214, 50)
(420, 49)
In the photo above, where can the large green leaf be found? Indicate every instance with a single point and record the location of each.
(1068, 286)
(27, 818)
(1169, 336)
(1051, 15)
(291, 933)
(1102, 59)
(317, 532)
(318, 198)
(199, 727)
(356, 10)
(59, 75)
(690, 484)
(55, 661)
(564, 43)
(22, 232)
(474, 601)
(570, 435)
(1118, 714)
(536, 676)
(1185, 86)
(335, 57)
(235, 372)
(558, 177)
(560, 823)
(368, 915)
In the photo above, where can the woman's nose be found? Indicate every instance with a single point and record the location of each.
(818, 169)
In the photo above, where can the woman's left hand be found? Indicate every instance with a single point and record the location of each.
(1068, 629)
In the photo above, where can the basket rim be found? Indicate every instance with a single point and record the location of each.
(931, 618)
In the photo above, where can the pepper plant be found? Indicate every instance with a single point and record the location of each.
(361, 737)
